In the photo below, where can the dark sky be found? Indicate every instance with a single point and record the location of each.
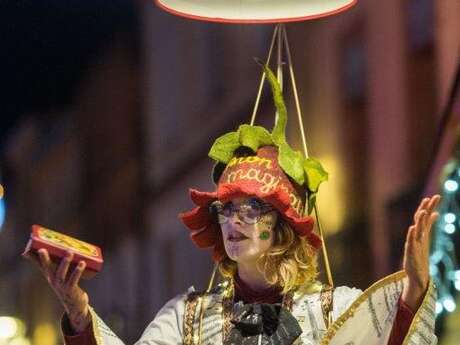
(45, 47)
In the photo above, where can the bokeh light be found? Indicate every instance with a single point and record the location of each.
(449, 228)
(449, 217)
(451, 185)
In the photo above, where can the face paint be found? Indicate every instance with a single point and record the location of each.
(264, 235)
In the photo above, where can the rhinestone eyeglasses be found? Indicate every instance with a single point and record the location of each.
(248, 212)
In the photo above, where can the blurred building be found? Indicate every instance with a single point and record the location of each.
(112, 164)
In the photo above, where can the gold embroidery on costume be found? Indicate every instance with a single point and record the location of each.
(334, 328)
(227, 311)
(326, 298)
(102, 333)
(189, 317)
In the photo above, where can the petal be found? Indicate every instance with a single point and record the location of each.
(197, 218)
(205, 238)
(303, 226)
(202, 198)
(314, 240)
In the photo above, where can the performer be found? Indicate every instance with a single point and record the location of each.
(264, 244)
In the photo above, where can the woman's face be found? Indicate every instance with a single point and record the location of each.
(245, 242)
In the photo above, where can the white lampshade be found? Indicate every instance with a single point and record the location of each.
(254, 11)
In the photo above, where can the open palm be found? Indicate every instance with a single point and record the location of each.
(417, 252)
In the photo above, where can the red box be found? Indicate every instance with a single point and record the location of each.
(58, 244)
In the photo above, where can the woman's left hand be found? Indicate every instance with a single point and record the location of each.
(417, 252)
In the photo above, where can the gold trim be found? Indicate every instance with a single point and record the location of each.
(95, 326)
(332, 330)
(192, 331)
(327, 299)
(189, 317)
(416, 319)
(227, 302)
(227, 310)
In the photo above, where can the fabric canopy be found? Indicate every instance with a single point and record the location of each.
(254, 11)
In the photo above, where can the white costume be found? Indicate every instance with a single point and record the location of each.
(359, 318)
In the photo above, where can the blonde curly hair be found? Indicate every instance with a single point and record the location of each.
(290, 263)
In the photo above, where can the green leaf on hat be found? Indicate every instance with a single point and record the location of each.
(315, 173)
(307, 172)
(279, 130)
(224, 146)
(291, 163)
(254, 136)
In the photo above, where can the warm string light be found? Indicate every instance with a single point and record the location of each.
(2, 208)
(444, 268)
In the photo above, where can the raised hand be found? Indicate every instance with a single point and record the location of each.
(417, 252)
(65, 285)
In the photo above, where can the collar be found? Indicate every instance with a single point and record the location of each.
(243, 292)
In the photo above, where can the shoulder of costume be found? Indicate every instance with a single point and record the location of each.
(221, 288)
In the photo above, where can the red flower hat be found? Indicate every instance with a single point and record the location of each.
(268, 169)
(256, 175)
